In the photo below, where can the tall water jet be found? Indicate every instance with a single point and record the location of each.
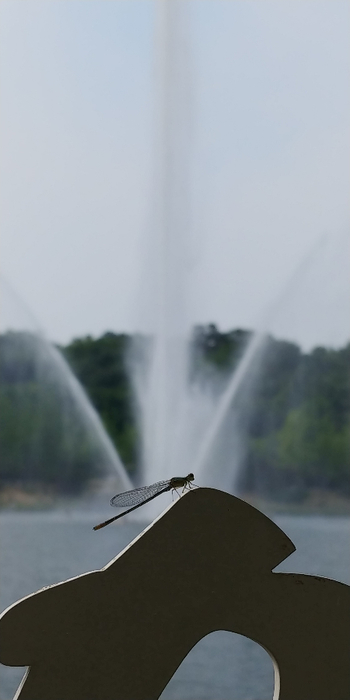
(179, 420)
(162, 385)
(174, 413)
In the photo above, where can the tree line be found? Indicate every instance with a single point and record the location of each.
(293, 411)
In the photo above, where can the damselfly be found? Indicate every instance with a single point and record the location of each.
(138, 497)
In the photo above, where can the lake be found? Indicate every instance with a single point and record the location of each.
(41, 548)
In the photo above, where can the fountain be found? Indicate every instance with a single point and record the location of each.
(179, 421)
(161, 387)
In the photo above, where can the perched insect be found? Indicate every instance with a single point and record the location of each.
(138, 497)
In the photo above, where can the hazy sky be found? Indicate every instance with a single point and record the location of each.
(270, 163)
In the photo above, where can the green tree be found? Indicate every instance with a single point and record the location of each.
(100, 365)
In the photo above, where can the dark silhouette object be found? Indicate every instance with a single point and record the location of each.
(205, 565)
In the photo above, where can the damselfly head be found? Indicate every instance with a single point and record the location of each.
(190, 477)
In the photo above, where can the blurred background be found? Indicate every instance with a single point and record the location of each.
(174, 278)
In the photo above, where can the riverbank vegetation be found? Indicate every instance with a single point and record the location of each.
(293, 415)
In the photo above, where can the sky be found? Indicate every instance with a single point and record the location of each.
(269, 184)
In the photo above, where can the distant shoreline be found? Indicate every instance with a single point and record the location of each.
(318, 502)
(29, 498)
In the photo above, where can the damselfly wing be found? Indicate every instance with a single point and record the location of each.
(138, 496)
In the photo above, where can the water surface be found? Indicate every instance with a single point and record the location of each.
(38, 549)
